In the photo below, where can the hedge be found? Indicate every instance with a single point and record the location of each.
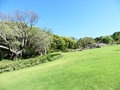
(19, 64)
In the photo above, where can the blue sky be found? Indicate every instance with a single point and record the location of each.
(77, 18)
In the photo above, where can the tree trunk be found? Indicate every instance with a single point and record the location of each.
(14, 54)
(45, 52)
(0, 56)
(17, 54)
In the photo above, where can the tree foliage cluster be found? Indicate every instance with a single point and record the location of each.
(83, 42)
(62, 43)
(19, 37)
(116, 37)
(109, 39)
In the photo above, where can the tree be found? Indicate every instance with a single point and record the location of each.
(62, 43)
(83, 42)
(69, 42)
(98, 39)
(107, 39)
(17, 31)
(116, 36)
(39, 40)
(58, 43)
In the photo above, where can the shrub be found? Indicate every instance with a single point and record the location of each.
(107, 40)
(19, 64)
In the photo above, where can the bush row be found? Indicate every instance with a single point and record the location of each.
(19, 64)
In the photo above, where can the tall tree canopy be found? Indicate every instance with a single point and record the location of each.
(17, 34)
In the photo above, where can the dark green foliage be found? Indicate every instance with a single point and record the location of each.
(19, 64)
(116, 36)
(98, 39)
(83, 42)
(107, 39)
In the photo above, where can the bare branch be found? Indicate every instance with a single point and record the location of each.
(33, 18)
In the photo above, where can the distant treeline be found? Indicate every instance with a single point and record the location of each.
(67, 43)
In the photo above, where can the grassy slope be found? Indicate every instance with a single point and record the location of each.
(95, 69)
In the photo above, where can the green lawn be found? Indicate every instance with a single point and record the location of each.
(95, 69)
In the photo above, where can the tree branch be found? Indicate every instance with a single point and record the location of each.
(6, 48)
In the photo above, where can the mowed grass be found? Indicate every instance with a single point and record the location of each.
(94, 69)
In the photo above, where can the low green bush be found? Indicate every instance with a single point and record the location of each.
(19, 64)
